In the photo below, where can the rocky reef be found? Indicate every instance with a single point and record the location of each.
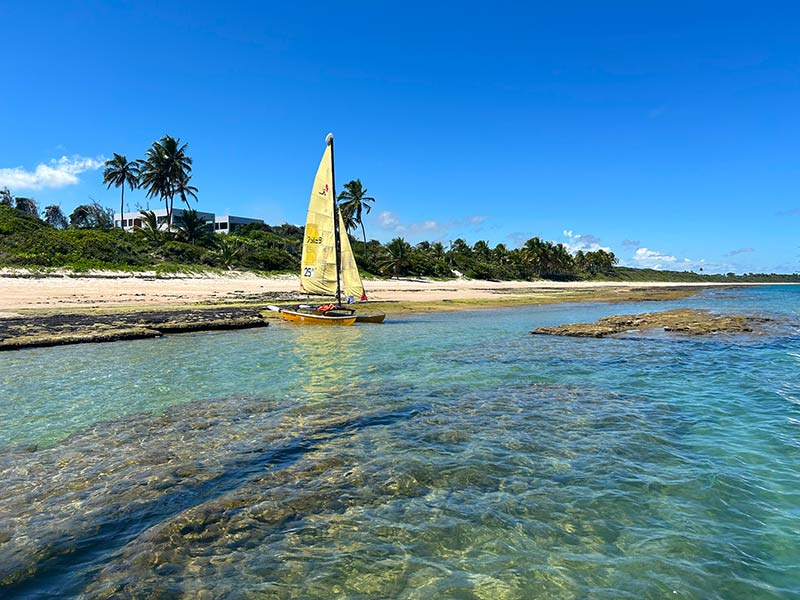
(682, 320)
(59, 328)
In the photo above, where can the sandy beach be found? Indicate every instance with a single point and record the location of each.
(20, 290)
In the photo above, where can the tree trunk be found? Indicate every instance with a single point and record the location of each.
(364, 233)
(122, 209)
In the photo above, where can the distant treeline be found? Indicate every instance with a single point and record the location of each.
(87, 240)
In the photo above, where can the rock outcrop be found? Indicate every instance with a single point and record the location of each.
(683, 320)
(79, 327)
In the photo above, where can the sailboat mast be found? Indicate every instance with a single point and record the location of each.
(336, 232)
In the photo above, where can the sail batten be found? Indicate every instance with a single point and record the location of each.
(318, 266)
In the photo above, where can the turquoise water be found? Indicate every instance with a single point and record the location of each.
(436, 456)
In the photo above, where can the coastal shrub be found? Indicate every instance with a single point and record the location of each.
(15, 221)
(285, 231)
(46, 247)
(55, 248)
(482, 270)
(181, 252)
(422, 264)
(291, 245)
(112, 247)
(253, 255)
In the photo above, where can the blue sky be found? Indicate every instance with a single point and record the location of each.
(668, 133)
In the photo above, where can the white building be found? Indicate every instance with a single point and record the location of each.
(133, 220)
(230, 223)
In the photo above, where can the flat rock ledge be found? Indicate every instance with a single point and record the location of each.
(17, 333)
(682, 320)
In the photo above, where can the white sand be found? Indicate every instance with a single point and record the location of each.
(61, 290)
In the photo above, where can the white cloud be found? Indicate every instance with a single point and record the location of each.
(57, 173)
(428, 225)
(740, 251)
(586, 242)
(653, 259)
(390, 221)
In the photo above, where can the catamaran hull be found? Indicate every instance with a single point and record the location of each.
(304, 318)
(311, 318)
(378, 318)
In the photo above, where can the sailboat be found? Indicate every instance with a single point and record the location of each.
(328, 267)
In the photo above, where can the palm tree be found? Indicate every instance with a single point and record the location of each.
(184, 190)
(397, 258)
(500, 254)
(352, 201)
(459, 246)
(534, 256)
(437, 251)
(547, 260)
(481, 250)
(149, 227)
(562, 264)
(348, 218)
(228, 250)
(192, 227)
(118, 173)
(166, 171)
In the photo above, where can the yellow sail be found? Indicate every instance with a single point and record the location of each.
(351, 280)
(318, 263)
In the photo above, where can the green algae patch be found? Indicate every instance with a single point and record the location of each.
(684, 321)
(510, 298)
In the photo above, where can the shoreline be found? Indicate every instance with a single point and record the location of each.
(70, 309)
(25, 290)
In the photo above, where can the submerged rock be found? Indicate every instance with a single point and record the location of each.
(682, 320)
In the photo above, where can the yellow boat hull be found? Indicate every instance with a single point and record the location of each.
(315, 319)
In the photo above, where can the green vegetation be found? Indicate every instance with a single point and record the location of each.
(91, 242)
(353, 202)
(630, 274)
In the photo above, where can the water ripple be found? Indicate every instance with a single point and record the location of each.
(454, 456)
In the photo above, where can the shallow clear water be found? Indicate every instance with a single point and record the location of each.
(436, 456)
